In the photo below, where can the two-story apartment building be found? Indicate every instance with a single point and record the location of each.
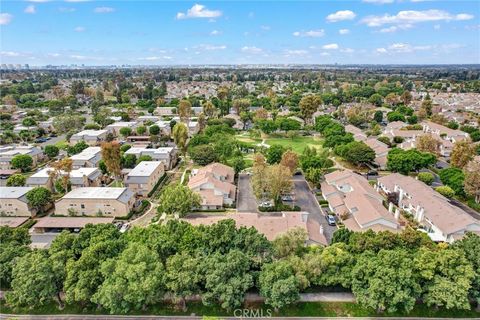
(448, 137)
(441, 220)
(80, 177)
(13, 202)
(167, 155)
(214, 184)
(95, 201)
(88, 158)
(143, 178)
(115, 127)
(356, 203)
(91, 137)
(9, 152)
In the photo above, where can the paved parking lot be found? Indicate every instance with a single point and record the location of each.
(246, 201)
(307, 202)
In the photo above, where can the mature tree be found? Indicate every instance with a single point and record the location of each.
(278, 284)
(51, 151)
(23, 162)
(241, 105)
(290, 160)
(34, 282)
(178, 200)
(472, 179)
(63, 168)
(395, 116)
(141, 130)
(183, 276)
(427, 143)
(16, 180)
(238, 164)
(426, 108)
(125, 131)
(180, 136)
(332, 266)
(154, 130)
(202, 121)
(378, 116)
(129, 160)
(356, 152)
(386, 281)
(227, 279)
(446, 276)
(463, 152)
(278, 182)
(470, 245)
(14, 244)
(144, 157)
(259, 176)
(133, 280)
(275, 153)
(376, 99)
(287, 124)
(67, 122)
(38, 198)
(209, 109)
(111, 155)
(290, 243)
(203, 154)
(454, 178)
(184, 110)
(308, 106)
(266, 126)
(406, 97)
(77, 148)
(103, 117)
(402, 161)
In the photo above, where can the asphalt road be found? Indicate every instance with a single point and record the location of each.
(246, 201)
(305, 198)
(43, 238)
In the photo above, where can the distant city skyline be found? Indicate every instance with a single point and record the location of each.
(43, 32)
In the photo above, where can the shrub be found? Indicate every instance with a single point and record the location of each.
(426, 177)
(445, 191)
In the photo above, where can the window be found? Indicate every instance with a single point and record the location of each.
(82, 206)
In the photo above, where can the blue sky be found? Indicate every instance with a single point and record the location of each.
(42, 32)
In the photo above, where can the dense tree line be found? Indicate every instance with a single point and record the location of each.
(132, 271)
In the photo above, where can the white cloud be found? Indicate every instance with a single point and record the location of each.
(30, 9)
(381, 50)
(436, 27)
(5, 18)
(298, 52)
(410, 17)
(330, 46)
(79, 29)
(38, 1)
(103, 10)
(215, 33)
(265, 28)
(9, 54)
(344, 31)
(210, 47)
(347, 50)
(324, 54)
(341, 16)
(251, 50)
(199, 11)
(155, 58)
(78, 0)
(54, 55)
(378, 1)
(312, 33)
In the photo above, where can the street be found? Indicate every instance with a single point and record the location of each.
(307, 202)
(246, 201)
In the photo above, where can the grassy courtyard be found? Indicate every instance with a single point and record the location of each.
(297, 144)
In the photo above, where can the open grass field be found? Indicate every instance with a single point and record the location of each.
(297, 144)
(306, 309)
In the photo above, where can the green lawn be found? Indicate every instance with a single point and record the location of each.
(312, 309)
(297, 144)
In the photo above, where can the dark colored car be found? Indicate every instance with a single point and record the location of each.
(331, 220)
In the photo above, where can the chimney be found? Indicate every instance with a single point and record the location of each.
(390, 207)
(321, 229)
(397, 214)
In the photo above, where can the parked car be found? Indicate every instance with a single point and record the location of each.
(266, 204)
(124, 228)
(331, 220)
(372, 173)
(288, 197)
(41, 140)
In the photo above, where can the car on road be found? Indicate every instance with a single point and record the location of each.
(41, 140)
(331, 219)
